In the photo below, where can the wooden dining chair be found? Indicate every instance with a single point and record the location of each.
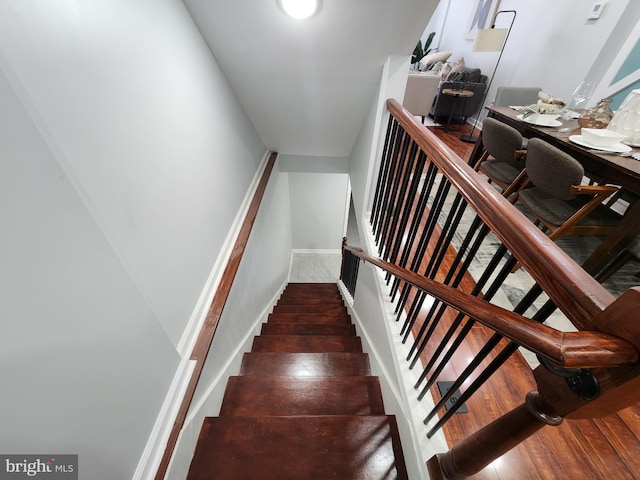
(503, 158)
(521, 96)
(552, 193)
(631, 252)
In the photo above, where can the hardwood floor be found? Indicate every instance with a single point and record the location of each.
(607, 448)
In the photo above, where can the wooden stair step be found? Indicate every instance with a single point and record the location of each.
(275, 364)
(282, 396)
(282, 328)
(329, 291)
(312, 287)
(313, 308)
(278, 448)
(306, 343)
(309, 318)
(309, 300)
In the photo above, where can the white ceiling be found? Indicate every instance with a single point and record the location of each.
(307, 84)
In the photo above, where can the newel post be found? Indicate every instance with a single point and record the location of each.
(486, 445)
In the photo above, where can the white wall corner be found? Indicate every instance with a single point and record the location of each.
(201, 309)
(157, 442)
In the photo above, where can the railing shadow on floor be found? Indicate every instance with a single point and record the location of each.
(433, 218)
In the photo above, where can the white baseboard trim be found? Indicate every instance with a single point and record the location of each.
(157, 442)
(316, 251)
(199, 314)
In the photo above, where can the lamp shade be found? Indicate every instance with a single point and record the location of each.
(490, 39)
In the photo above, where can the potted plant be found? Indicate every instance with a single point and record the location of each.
(421, 51)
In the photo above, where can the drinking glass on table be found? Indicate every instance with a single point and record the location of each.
(582, 93)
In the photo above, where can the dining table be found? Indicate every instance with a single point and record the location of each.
(603, 166)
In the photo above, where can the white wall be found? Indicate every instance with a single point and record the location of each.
(318, 210)
(262, 274)
(552, 44)
(83, 362)
(367, 150)
(125, 158)
(145, 125)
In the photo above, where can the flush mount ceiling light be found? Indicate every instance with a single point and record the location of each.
(299, 9)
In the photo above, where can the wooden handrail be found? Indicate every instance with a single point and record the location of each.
(589, 373)
(205, 338)
(570, 287)
(583, 349)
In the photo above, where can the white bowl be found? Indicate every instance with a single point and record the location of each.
(602, 137)
(542, 118)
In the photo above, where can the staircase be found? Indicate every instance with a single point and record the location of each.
(304, 405)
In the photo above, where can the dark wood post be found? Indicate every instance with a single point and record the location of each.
(489, 443)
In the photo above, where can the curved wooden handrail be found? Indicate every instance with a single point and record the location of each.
(585, 349)
(571, 288)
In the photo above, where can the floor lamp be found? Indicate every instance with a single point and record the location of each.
(489, 40)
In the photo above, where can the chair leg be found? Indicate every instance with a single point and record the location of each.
(614, 266)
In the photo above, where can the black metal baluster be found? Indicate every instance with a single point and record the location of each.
(408, 206)
(427, 186)
(546, 310)
(392, 129)
(432, 220)
(493, 288)
(444, 241)
(387, 201)
(400, 201)
(434, 318)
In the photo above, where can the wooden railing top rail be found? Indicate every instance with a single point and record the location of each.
(573, 290)
(584, 349)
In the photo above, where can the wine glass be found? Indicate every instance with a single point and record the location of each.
(582, 93)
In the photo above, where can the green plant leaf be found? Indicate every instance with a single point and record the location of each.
(427, 42)
(417, 53)
(420, 52)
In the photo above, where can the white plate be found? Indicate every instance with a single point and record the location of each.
(553, 123)
(615, 148)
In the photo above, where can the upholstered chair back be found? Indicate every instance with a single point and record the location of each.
(551, 170)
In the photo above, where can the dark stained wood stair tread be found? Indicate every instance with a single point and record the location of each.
(305, 364)
(283, 396)
(309, 318)
(306, 299)
(304, 405)
(283, 328)
(306, 343)
(313, 308)
(279, 448)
